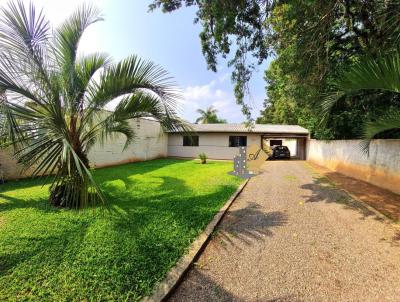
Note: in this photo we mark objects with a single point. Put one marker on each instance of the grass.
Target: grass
(157, 209)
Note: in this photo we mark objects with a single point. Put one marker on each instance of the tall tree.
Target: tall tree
(209, 116)
(311, 42)
(53, 110)
(315, 41)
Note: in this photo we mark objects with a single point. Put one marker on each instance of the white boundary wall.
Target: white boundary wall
(150, 143)
(381, 167)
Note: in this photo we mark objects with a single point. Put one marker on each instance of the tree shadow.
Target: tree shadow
(101, 175)
(30, 250)
(248, 224)
(383, 200)
(148, 228)
(323, 190)
(12, 203)
(201, 288)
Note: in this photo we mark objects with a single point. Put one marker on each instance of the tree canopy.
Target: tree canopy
(311, 43)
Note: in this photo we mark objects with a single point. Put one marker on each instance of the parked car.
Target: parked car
(280, 152)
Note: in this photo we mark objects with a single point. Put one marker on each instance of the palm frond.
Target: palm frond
(366, 74)
(67, 39)
(139, 105)
(24, 37)
(23, 31)
(131, 75)
(87, 66)
(384, 123)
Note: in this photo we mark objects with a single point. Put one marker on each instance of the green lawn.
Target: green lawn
(157, 208)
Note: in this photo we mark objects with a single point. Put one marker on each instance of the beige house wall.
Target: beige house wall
(150, 143)
(215, 145)
(381, 167)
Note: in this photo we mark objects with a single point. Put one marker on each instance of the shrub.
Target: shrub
(203, 158)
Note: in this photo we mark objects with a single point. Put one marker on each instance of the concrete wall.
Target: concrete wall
(381, 167)
(150, 143)
(215, 145)
(9, 168)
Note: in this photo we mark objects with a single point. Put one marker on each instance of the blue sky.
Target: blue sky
(170, 40)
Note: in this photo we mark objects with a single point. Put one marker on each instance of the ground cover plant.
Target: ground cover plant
(156, 209)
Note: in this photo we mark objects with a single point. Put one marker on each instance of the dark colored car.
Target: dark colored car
(280, 152)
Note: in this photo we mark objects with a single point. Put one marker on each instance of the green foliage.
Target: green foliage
(375, 75)
(157, 208)
(315, 42)
(209, 116)
(311, 42)
(203, 158)
(53, 100)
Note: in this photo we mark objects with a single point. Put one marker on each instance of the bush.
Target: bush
(203, 158)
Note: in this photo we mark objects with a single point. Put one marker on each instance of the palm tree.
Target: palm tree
(54, 113)
(381, 74)
(209, 116)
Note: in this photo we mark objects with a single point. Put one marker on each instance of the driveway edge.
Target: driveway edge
(173, 278)
(378, 213)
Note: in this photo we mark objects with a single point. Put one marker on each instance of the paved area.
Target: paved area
(293, 236)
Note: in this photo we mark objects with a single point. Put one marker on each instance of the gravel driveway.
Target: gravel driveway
(292, 236)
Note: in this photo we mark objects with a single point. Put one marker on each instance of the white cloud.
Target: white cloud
(196, 93)
(211, 94)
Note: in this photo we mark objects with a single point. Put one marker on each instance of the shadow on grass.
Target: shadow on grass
(151, 223)
(323, 190)
(101, 175)
(149, 226)
(33, 250)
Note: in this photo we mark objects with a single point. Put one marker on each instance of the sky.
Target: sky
(170, 40)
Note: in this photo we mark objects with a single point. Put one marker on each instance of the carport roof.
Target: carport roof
(241, 128)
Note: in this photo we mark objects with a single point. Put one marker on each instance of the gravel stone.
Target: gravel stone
(293, 236)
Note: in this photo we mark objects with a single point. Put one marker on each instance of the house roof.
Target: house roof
(257, 128)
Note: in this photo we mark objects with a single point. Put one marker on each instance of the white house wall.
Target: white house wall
(215, 145)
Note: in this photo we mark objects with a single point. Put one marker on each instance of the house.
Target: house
(218, 141)
(221, 141)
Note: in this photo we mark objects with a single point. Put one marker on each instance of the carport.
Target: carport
(279, 138)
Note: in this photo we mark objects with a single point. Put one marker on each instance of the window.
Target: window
(191, 141)
(237, 141)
